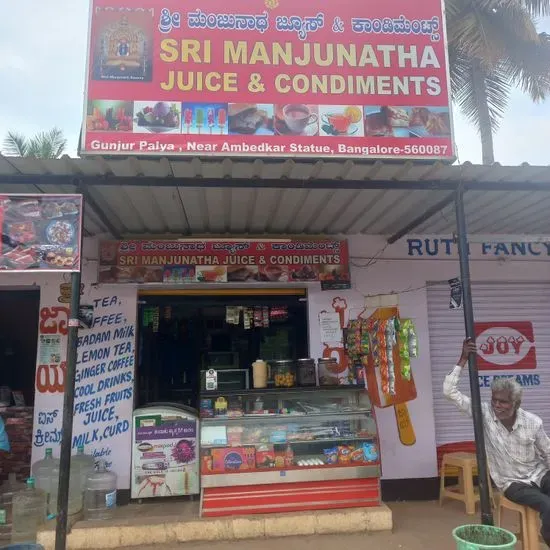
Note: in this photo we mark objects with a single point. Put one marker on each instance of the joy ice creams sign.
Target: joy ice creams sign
(508, 345)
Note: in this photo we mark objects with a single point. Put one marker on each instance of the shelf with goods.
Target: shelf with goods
(295, 449)
(287, 437)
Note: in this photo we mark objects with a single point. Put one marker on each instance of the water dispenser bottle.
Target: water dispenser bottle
(44, 472)
(7, 491)
(85, 464)
(29, 513)
(100, 496)
(76, 495)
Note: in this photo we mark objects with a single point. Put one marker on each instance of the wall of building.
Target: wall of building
(401, 269)
(404, 268)
(103, 393)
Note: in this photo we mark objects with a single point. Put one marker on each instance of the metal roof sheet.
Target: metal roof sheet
(204, 196)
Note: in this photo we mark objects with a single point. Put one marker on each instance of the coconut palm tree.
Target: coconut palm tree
(44, 145)
(494, 47)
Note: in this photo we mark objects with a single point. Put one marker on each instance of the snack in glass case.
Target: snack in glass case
(331, 455)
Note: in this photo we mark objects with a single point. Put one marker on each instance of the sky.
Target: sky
(42, 66)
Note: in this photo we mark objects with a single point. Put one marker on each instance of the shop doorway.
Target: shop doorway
(19, 311)
(181, 336)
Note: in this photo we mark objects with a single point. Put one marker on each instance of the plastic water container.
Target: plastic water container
(76, 494)
(483, 537)
(7, 491)
(85, 464)
(100, 496)
(44, 473)
(29, 513)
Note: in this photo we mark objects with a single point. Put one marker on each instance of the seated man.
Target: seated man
(518, 449)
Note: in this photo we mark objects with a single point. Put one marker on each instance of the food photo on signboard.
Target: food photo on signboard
(40, 232)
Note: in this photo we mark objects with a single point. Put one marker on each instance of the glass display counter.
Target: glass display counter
(282, 436)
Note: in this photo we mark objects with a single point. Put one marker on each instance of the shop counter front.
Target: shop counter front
(288, 449)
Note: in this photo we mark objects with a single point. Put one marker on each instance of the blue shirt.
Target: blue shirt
(4, 441)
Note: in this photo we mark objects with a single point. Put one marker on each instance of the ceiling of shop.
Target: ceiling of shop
(193, 197)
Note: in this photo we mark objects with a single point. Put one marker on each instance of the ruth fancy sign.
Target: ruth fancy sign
(268, 78)
(218, 261)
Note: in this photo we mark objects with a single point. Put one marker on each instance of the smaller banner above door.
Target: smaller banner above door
(224, 261)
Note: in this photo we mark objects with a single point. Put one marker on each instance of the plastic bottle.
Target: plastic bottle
(7, 491)
(100, 496)
(46, 475)
(85, 465)
(76, 494)
(29, 513)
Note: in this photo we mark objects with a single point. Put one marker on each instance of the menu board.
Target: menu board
(40, 232)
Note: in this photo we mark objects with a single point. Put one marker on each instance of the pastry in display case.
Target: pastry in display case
(287, 435)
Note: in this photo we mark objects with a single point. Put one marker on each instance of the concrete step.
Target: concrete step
(147, 532)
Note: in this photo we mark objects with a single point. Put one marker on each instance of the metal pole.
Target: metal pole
(485, 500)
(67, 426)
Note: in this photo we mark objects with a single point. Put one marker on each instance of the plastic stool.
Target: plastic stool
(466, 463)
(529, 522)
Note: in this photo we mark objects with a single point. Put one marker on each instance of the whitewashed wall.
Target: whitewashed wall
(399, 268)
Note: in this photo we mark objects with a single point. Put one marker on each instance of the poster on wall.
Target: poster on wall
(40, 232)
(219, 261)
(104, 378)
(273, 78)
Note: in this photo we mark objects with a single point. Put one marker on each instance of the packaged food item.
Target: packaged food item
(331, 455)
(253, 435)
(289, 456)
(235, 435)
(357, 455)
(207, 408)
(220, 406)
(235, 406)
(234, 458)
(278, 436)
(279, 459)
(344, 454)
(265, 456)
(370, 452)
(206, 463)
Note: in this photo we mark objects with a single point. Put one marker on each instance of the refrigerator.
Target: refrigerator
(165, 450)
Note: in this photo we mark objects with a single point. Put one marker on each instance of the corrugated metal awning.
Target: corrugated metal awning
(205, 196)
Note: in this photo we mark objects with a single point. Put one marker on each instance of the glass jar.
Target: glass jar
(327, 368)
(306, 372)
(283, 373)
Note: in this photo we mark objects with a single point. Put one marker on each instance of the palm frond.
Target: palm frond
(537, 8)
(482, 28)
(528, 66)
(44, 145)
(15, 145)
(468, 92)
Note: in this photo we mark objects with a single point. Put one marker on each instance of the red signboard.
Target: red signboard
(508, 345)
(263, 78)
(219, 261)
(40, 232)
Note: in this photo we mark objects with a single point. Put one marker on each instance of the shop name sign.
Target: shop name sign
(441, 247)
(221, 261)
(268, 78)
(508, 345)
